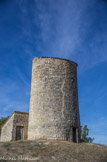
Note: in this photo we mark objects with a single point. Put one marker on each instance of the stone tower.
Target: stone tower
(54, 111)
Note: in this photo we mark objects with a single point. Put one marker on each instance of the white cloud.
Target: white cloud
(61, 28)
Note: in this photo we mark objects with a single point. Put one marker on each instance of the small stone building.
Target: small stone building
(16, 127)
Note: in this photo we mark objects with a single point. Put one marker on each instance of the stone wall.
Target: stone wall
(54, 108)
(8, 132)
(21, 119)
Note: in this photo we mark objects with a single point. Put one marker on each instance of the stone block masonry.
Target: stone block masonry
(54, 111)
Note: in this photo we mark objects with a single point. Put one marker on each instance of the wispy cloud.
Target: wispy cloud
(60, 26)
(22, 77)
(12, 97)
(69, 29)
(64, 27)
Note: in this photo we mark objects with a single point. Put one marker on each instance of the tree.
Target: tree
(84, 135)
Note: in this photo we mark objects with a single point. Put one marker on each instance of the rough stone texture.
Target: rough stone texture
(54, 108)
(8, 132)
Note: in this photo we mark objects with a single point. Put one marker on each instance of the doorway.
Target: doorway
(19, 133)
(74, 135)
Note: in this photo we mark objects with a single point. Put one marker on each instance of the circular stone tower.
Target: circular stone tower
(54, 111)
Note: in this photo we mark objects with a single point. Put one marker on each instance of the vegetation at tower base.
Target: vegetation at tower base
(85, 135)
(2, 121)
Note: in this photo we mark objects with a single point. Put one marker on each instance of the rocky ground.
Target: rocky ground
(52, 151)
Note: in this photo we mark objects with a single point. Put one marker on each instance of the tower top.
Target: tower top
(42, 57)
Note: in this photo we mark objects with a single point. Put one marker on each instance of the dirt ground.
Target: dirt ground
(52, 151)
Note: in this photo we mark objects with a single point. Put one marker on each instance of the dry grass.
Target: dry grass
(52, 151)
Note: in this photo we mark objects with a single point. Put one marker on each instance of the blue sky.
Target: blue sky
(75, 30)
